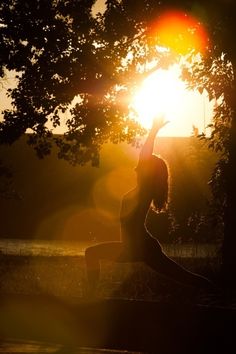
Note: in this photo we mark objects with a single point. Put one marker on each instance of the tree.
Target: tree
(216, 74)
(60, 51)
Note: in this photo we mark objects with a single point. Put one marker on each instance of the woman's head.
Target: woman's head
(153, 178)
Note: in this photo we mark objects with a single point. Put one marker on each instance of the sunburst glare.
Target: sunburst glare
(164, 93)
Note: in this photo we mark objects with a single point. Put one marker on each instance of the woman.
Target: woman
(137, 244)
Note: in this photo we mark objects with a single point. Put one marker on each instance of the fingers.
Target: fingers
(159, 122)
(166, 122)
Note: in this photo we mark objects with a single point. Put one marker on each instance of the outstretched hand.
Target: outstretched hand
(158, 123)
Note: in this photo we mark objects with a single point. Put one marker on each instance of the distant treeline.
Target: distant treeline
(58, 201)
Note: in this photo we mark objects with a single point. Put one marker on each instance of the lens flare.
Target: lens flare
(180, 32)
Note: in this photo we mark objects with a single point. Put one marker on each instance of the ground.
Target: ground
(39, 289)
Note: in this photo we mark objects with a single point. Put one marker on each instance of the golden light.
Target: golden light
(180, 32)
(163, 93)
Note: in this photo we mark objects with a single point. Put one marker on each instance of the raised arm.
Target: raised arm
(148, 146)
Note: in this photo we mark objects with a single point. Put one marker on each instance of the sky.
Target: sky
(99, 6)
(7, 82)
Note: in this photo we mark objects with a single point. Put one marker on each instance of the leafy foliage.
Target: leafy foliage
(216, 77)
(60, 51)
(63, 55)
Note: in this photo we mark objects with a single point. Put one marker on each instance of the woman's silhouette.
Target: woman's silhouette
(137, 244)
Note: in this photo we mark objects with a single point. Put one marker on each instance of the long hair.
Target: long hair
(154, 177)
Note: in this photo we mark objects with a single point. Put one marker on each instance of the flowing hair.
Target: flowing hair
(155, 177)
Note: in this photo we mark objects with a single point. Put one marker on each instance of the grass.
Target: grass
(65, 276)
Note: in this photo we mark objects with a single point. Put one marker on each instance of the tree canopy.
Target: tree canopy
(60, 52)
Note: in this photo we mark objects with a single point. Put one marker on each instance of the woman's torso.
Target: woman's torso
(133, 213)
(138, 242)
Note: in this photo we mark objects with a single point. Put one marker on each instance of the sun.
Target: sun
(163, 93)
(160, 94)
